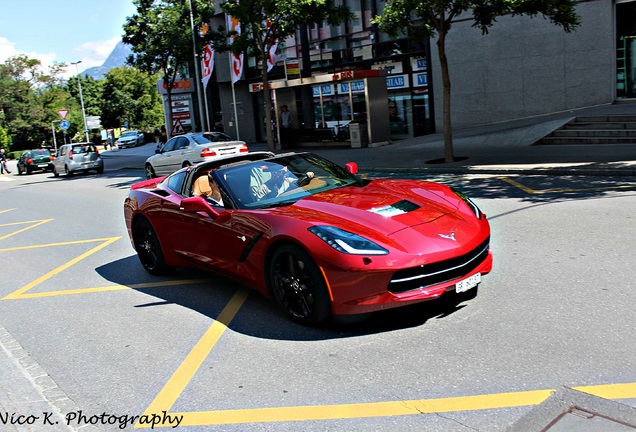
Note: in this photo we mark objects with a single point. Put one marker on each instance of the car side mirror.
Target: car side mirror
(198, 204)
(352, 167)
(157, 151)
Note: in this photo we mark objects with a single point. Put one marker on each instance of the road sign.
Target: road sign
(63, 113)
(177, 128)
(64, 125)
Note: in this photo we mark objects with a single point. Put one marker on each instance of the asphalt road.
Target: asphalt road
(114, 341)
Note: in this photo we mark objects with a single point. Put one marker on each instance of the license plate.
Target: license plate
(468, 283)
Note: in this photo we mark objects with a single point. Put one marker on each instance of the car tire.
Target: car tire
(150, 172)
(298, 286)
(20, 172)
(148, 247)
(100, 170)
(55, 173)
(67, 171)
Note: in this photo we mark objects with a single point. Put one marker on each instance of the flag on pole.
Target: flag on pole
(236, 59)
(271, 45)
(207, 64)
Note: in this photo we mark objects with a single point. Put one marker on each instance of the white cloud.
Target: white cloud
(7, 50)
(90, 53)
(95, 53)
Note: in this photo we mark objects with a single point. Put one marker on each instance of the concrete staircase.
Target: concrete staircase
(608, 129)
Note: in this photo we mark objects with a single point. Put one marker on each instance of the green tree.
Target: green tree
(264, 21)
(130, 94)
(435, 17)
(5, 139)
(160, 35)
(28, 99)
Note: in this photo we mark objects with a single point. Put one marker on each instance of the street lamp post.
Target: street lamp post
(79, 83)
(53, 129)
(196, 68)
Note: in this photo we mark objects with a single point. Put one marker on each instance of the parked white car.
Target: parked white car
(190, 149)
(131, 138)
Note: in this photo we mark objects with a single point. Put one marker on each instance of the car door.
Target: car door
(60, 158)
(168, 160)
(199, 238)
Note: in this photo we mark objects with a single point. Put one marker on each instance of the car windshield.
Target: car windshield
(129, 133)
(40, 153)
(282, 180)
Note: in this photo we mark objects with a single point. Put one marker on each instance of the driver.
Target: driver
(269, 181)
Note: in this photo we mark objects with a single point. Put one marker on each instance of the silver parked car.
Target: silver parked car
(71, 158)
(189, 149)
(131, 138)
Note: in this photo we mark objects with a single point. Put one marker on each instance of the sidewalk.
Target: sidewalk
(501, 148)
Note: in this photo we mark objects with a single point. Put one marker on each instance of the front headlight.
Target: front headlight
(346, 242)
(468, 201)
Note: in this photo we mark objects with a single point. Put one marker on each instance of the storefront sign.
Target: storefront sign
(418, 64)
(256, 87)
(420, 79)
(354, 74)
(327, 90)
(178, 86)
(397, 82)
(292, 69)
(390, 67)
(356, 87)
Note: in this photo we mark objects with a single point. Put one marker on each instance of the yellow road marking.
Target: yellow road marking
(6, 210)
(107, 288)
(54, 244)
(610, 391)
(186, 370)
(545, 191)
(27, 287)
(34, 223)
(364, 410)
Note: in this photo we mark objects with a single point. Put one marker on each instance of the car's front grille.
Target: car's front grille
(439, 272)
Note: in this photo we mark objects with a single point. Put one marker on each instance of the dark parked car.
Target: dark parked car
(35, 160)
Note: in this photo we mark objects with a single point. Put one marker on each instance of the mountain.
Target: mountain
(117, 58)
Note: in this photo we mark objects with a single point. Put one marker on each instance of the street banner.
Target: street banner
(271, 45)
(236, 64)
(207, 64)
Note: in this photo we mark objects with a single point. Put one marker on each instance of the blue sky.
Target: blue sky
(62, 31)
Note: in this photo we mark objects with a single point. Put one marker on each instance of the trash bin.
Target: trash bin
(358, 135)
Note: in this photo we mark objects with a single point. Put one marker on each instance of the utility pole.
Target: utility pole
(79, 83)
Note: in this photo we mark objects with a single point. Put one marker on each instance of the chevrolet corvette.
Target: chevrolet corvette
(310, 234)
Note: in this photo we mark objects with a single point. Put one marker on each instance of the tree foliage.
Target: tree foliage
(437, 17)
(29, 98)
(160, 35)
(264, 21)
(129, 94)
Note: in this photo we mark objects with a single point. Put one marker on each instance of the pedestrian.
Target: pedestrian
(157, 135)
(164, 134)
(3, 162)
(286, 127)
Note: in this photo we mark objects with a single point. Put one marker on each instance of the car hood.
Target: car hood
(385, 207)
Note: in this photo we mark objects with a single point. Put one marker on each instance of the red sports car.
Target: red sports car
(311, 234)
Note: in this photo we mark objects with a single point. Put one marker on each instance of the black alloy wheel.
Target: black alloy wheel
(148, 247)
(150, 172)
(298, 285)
